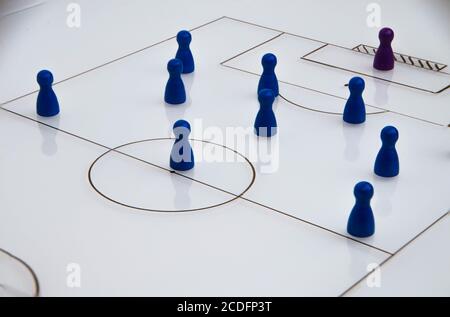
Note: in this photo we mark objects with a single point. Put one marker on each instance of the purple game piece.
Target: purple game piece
(384, 58)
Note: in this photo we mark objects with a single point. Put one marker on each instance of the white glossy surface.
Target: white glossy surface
(421, 269)
(288, 73)
(381, 94)
(402, 73)
(108, 240)
(308, 99)
(15, 278)
(318, 157)
(50, 217)
(106, 106)
(39, 38)
(320, 163)
(134, 182)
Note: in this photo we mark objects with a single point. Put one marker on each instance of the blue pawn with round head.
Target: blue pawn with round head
(184, 53)
(268, 78)
(182, 156)
(175, 92)
(47, 104)
(355, 109)
(266, 122)
(361, 222)
(387, 163)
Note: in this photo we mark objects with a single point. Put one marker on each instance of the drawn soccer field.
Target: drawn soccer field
(93, 185)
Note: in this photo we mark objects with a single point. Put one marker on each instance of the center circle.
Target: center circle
(137, 175)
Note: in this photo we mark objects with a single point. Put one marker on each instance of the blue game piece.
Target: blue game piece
(182, 156)
(175, 93)
(387, 163)
(355, 110)
(361, 222)
(268, 78)
(265, 122)
(47, 103)
(184, 53)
